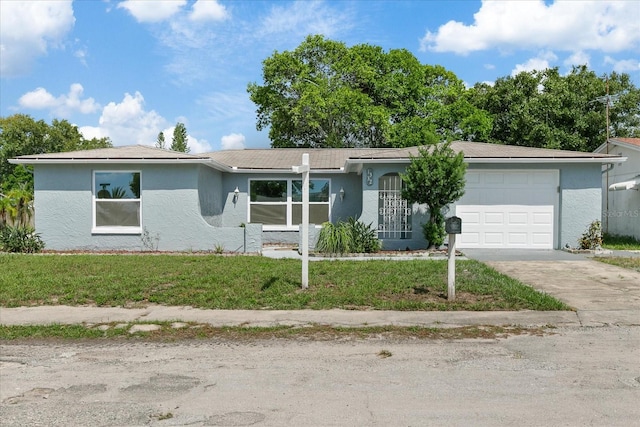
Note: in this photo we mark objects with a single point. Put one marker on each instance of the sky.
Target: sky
(130, 69)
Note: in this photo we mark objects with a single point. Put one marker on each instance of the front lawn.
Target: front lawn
(253, 282)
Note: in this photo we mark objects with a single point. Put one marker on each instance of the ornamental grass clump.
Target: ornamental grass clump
(349, 236)
(20, 239)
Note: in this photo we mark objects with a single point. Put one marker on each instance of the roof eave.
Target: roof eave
(616, 159)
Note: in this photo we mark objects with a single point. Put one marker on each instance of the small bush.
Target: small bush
(592, 238)
(20, 239)
(347, 237)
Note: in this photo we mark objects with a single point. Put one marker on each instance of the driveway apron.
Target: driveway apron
(601, 293)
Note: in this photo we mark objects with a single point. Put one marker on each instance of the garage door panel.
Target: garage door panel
(509, 209)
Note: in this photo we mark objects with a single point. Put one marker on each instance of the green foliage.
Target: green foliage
(436, 178)
(434, 230)
(334, 239)
(592, 238)
(614, 241)
(16, 206)
(20, 239)
(21, 135)
(160, 142)
(548, 110)
(179, 141)
(118, 193)
(364, 238)
(325, 94)
(349, 236)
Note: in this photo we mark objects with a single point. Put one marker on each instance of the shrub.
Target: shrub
(347, 237)
(592, 238)
(20, 239)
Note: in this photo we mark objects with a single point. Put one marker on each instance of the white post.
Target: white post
(304, 170)
(451, 268)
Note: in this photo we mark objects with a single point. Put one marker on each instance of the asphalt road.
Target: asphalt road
(577, 376)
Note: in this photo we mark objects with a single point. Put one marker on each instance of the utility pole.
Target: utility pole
(608, 101)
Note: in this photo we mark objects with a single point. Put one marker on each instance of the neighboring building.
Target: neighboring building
(621, 188)
(138, 197)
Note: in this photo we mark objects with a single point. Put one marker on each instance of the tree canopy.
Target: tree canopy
(547, 110)
(21, 135)
(325, 94)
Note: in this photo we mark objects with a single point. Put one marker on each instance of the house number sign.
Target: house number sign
(369, 175)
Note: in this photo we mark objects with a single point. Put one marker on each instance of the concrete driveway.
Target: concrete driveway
(601, 293)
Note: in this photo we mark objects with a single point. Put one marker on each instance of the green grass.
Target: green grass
(621, 243)
(194, 331)
(251, 282)
(624, 262)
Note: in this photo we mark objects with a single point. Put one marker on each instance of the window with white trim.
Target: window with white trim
(277, 204)
(116, 202)
(394, 212)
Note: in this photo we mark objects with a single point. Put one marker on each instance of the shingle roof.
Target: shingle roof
(335, 158)
(142, 152)
(632, 141)
(320, 159)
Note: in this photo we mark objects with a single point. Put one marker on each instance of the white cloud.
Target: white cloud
(208, 10)
(152, 10)
(63, 105)
(577, 58)
(234, 141)
(623, 65)
(197, 145)
(306, 17)
(28, 29)
(539, 63)
(610, 26)
(128, 123)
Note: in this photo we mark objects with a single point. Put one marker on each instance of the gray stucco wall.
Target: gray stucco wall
(175, 213)
(193, 207)
(580, 200)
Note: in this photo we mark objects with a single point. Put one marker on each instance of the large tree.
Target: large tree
(435, 178)
(20, 135)
(548, 110)
(325, 94)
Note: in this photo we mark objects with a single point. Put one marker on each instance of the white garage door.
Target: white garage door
(509, 209)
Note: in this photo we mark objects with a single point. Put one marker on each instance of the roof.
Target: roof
(632, 143)
(138, 152)
(320, 159)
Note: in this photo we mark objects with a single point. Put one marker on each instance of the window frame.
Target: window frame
(288, 203)
(114, 229)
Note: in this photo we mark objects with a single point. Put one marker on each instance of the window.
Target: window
(116, 202)
(278, 203)
(394, 213)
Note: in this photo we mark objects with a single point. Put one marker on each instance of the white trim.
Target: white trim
(289, 226)
(113, 229)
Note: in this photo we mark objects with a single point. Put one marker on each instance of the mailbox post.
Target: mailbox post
(452, 226)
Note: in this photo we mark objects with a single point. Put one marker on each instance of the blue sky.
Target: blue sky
(131, 69)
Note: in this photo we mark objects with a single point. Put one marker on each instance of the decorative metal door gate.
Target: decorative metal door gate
(394, 213)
